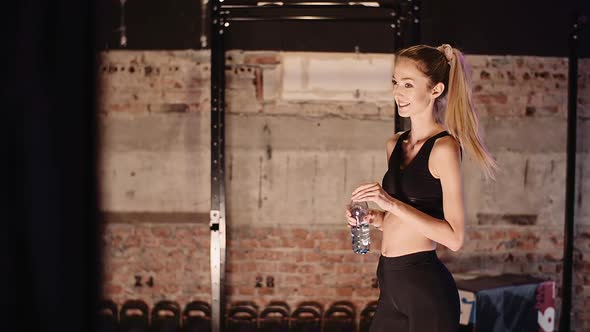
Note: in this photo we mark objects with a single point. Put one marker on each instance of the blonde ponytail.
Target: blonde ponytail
(460, 117)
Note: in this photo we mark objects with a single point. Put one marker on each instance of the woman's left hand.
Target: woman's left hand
(373, 192)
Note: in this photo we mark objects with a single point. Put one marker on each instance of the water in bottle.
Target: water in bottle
(361, 236)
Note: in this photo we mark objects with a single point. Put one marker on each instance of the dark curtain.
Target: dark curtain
(49, 235)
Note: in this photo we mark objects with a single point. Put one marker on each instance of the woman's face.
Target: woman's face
(411, 89)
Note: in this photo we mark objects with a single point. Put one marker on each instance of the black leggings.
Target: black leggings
(416, 294)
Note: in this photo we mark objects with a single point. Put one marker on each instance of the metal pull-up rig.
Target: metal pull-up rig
(402, 16)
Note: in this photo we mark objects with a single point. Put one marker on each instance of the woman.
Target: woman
(421, 193)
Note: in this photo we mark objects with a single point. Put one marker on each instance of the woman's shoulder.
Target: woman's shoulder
(445, 148)
(392, 141)
(446, 142)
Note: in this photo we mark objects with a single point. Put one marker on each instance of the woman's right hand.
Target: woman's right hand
(374, 217)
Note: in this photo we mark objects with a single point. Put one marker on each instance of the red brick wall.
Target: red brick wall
(312, 263)
(305, 263)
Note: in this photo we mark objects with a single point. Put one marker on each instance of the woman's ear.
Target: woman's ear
(438, 89)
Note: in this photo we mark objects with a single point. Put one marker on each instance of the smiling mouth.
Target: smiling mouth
(403, 105)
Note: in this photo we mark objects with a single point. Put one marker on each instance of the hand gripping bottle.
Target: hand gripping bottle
(361, 236)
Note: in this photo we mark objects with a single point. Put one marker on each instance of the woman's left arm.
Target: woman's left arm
(446, 160)
(449, 232)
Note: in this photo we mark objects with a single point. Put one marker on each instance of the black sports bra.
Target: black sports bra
(414, 184)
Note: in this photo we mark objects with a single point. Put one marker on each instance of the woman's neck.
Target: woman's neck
(422, 133)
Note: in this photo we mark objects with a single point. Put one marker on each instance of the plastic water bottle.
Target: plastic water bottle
(361, 236)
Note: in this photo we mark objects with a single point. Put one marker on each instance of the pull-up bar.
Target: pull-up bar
(401, 15)
(368, 11)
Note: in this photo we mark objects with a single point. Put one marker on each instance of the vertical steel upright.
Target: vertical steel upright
(205, 24)
(217, 213)
(407, 33)
(570, 185)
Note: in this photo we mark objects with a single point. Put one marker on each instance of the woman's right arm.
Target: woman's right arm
(377, 217)
(389, 146)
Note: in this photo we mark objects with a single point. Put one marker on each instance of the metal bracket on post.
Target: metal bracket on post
(215, 260)
(214, 217)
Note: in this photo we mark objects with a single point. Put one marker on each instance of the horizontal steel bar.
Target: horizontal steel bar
(309, 18)
(322, 5)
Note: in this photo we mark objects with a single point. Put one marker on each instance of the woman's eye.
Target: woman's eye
(394, 82)
(408, 85)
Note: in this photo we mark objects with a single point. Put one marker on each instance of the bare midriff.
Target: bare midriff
(399, 238)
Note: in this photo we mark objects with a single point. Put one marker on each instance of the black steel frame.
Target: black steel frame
(222, 15)
(404, 17)
(579, 23)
